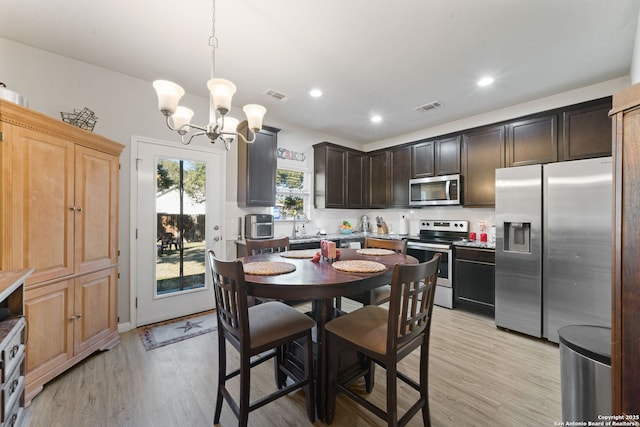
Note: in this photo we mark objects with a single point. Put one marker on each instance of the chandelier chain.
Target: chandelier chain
(213, 41)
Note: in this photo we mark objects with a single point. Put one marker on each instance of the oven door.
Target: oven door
(424, 252)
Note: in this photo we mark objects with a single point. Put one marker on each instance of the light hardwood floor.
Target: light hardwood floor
(479, 376)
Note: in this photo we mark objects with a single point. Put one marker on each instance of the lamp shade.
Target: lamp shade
(255, 113)
(169, 95)
(221, 91)
(182, 117)
(230, 124)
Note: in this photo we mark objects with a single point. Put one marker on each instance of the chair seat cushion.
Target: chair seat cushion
(365, 327)
(274, 320)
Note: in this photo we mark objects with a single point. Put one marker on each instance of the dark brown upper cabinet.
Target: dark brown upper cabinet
(330, 175)
(422, 159)
(435, 157)
(532, 141)
(447, 155)
(356, 180)
(400, 159)
(482, 153)
(586, 131)
(378, 191)
(257, 164)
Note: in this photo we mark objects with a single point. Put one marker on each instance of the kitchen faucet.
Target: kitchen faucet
(294, 233)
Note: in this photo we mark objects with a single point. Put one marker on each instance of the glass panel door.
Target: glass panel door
(180, 227)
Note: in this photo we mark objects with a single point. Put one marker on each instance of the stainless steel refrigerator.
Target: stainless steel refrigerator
(553, 246)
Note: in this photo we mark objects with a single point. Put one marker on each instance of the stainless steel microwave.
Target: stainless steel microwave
(435, 191)
(258, 226)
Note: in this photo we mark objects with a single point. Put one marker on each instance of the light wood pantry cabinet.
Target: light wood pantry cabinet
(59, 216)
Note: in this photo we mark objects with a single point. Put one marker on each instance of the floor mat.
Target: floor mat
(176, 330)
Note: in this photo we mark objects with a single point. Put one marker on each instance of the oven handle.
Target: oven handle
(428, 247)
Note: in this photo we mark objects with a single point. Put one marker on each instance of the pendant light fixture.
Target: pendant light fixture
(220, 126)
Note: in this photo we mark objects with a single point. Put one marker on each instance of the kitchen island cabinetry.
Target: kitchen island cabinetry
(257, 163)
(12, 349)
(482, 153)
(532, 141)
(59, 216)
(474, 279)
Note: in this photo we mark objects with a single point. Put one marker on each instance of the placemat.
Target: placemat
(359, 266)
(302, 253)
(268, 268)
(375, 251)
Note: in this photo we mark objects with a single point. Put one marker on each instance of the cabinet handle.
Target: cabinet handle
(79, 209)
(72, 318)
(14, 351)
(78, 316)
(13, 386)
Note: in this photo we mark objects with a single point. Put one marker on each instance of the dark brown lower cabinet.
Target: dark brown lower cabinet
(474, 279)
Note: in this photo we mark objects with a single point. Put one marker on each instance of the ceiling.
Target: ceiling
(367, 56)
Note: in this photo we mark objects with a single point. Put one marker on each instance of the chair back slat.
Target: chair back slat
(411, 303)
(256, 247)
(231, 296)
(399, 246)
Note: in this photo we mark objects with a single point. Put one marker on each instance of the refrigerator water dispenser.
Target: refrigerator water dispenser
(517, 237)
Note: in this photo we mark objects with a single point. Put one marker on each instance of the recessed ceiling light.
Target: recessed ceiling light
(485, 81)
(316, 93)
(376, 118)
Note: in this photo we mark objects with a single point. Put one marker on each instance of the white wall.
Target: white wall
(126, 107)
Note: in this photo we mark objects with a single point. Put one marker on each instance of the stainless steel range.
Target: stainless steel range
(437, 236)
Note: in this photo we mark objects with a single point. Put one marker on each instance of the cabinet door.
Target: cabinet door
(422, 159)
(400, 175)
(586, 132)
(378, 192)
(475, 285)
(257, 169)
(336, 187)
(447, 156)
(532, 141)
(96, 209)
(482, 154)
(37, 207)
(355, 180)
(95, 305)
(50, 332)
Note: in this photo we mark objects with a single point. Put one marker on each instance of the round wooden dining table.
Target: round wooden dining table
(321, 283)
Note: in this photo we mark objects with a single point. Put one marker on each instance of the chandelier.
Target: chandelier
(220, 126)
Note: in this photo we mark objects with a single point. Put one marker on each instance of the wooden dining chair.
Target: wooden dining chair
(381, 294)
(260, 246)
(257, 333)
(386, 337)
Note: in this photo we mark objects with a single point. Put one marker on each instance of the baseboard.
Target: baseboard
(124, 327)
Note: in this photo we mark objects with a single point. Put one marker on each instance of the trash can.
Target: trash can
(585, 372)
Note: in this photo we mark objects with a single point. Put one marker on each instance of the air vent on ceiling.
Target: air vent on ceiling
(277, 95)
(429, 106)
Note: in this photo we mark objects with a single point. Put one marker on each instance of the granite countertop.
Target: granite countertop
(475, 244)
(340, 236)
